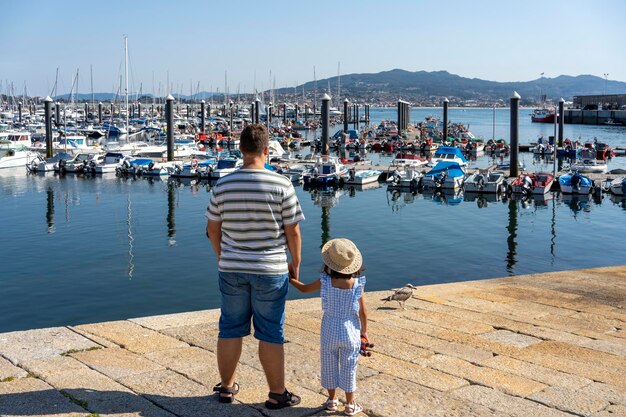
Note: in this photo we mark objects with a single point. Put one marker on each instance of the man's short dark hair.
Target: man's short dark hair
(254, 139)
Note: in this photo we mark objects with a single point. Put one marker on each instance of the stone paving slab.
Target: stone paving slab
(500, 380)
(33, 397)
(538, 345)
(9, 371)
(132, 336)
(570, 401)
(505, 404)
(116, 363)
(41, 343)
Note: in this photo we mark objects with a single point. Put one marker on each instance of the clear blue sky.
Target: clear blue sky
(197, 41)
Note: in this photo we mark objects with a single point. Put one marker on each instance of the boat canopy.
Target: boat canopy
(141, 162)
(453, 169)
(450, 150)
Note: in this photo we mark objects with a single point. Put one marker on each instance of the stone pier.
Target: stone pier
(550, 344)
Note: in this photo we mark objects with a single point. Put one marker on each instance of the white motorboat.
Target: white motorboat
(14, 149)
(105, 164)
(446, 174)
(327, 170)
(484, 182)
(405, 176)
(41, 165)
(76, 165)
(590, 165)
(362, 177)
(226, 165)
(618, 186)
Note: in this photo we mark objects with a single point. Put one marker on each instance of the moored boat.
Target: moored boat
(446, 174)
(575, 183)
(490, 182)
(618, 186)
(361, 177)
(327, 170)
(532, 183)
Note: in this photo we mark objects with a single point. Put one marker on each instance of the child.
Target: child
(344, 322)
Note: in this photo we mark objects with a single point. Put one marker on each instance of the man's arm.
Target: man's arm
(214, 232)
(294, 243)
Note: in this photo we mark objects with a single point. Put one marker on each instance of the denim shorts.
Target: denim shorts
(257, 297)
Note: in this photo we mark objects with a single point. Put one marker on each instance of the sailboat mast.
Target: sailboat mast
(93, 100)
(339, 80)
(126, 76)
(314, 91)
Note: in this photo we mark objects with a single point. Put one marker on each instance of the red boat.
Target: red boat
(539, 183)
(542, 116)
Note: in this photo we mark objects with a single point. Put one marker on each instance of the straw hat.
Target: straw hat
(341, 255)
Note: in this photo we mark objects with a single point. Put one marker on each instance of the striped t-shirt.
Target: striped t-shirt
(253, 206)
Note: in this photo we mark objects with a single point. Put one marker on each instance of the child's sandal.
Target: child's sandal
(331, 405)
(353, 409)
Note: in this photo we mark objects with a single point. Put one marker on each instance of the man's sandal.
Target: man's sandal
(353, 409)
(331, 405)
(234, 390)
(286, 399)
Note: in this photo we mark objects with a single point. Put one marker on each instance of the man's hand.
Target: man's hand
(294, 270)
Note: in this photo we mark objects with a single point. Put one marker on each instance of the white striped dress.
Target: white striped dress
(253, 206)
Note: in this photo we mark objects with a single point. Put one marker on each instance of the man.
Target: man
(253, 217)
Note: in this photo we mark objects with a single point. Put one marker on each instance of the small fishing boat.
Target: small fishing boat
(448, 154)
(575, 183)
(327, 170)
(490, 182)
(531, 183)
(76, 165)
(40, 164)
(105, 164)
(618, 186)
(194, 168)
(543, 115)
(14, 149)
(590, 165)
(446, 174)
(404, 177)
(226, 165)
(361, 177)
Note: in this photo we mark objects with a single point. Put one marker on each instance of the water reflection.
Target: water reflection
(326, 198)
(171, 214)
(619, 200)
(511, 239)
(50, 210)
(131, 256)
(482, 200)
(576, 203)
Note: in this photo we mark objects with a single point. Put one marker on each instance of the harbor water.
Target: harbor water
(83, 249)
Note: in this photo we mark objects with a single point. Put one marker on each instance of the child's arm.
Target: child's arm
(363, 315)
(310, 287)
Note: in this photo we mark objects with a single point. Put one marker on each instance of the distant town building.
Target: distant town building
(605, 101)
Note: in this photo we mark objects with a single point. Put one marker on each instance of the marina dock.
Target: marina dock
(551, 344)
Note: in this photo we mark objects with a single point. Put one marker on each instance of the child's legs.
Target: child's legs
(329, 359)
(332, 393)
(348, 361)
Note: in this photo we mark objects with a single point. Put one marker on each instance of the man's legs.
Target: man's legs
(228, 353)
(272, 357)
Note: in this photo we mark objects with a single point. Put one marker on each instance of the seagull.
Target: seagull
(401, 295)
